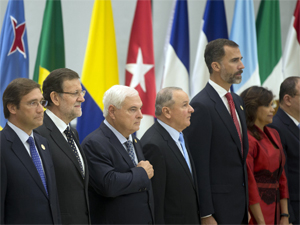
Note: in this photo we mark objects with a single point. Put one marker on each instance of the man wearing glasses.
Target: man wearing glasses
(63, 91)
(28, 186)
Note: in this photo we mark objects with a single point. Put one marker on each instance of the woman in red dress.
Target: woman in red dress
(267, 183)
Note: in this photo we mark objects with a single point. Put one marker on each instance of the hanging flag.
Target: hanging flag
(243, 32)
(269, 45)
(140, 63)
(51, 50)
(291, 55)
(100, 68)
(214, 26)
(177, 61)
(14, 54)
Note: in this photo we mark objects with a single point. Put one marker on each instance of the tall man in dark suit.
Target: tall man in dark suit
(63, 91)
(218, 139)
(120, 188)
(286, 122)
(28, 187)
(175, 182)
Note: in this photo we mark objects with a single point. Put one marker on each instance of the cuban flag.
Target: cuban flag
(14, 54)
(243, 32)
(214, 26)
(177, 60)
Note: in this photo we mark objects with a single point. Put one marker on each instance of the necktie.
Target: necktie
(299, 125)
(186, 156)
(73, 147)
(234, 117)
(37, 161)
(130, 150)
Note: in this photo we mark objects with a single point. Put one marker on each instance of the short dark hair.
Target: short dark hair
(288, 87)
(253, 98)
(164, 98)
(15, 91)
(54, 82)
(214, 51)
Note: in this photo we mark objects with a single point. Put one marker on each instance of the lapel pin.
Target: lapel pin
(241, 107)
(43, 147)
(135, 140)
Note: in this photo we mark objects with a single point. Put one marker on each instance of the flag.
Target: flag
(140, 62)
(291, 55)
(14, 54)
(51, 50)
(243, 32)
(214, 26)
(177, 61)
(269, 45)
(100, 68)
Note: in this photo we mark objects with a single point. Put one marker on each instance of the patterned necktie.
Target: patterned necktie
(74, 149)
(130, 150)
(186, 156)
(234, 117)
(37, 161)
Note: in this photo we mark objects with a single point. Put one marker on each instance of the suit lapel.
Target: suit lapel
(116, 143)
(138, 149)
(224, 115)
(176, 151)
(290, 123)
(22, 154)
(60, 141)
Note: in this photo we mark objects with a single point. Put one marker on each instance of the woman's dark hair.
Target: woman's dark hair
(253, 98)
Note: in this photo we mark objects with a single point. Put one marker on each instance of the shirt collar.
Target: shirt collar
(173, 133)
(120, 137)
(21, 134)
(61, 125)
(220, 90)
(292, 118)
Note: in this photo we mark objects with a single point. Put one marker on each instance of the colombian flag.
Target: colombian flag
(100, 69)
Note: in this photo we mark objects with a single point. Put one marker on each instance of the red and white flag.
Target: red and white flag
(140, 62)
(291, 55)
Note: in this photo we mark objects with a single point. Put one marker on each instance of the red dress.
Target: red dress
(267, 181)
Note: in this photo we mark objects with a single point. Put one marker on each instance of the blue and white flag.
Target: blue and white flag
(243, 32)
(177, 61)
(214, 26)
(14, 54)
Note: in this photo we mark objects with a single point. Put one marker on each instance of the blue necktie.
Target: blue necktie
(186, 156)
(37, 161)
(130, 150)
(299, 125)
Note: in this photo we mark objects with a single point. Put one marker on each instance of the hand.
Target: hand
(208, 221)
(284, 220)
(147, 167)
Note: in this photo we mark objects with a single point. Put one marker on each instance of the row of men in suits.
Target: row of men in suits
(160, 179)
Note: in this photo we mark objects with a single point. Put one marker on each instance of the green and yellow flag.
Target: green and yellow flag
(51, 50)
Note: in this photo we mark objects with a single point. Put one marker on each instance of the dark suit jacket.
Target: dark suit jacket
(23, 196)
(119, 192)
(174, 187)
(216, 150)
(290, 139)
(72, 188)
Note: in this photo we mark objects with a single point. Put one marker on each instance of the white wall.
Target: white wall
(77, 15)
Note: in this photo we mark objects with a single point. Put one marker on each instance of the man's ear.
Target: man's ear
(287, 99)
(54, 98)
(111, 111)
(166, 111)
(12, 108)
(216, 66)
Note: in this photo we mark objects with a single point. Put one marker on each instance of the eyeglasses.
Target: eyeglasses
(35, 104)
(75, 94)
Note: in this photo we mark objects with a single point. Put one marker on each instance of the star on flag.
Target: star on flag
(138, 70)
(18, 42)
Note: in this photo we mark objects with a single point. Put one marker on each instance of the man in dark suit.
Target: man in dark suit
(63, 91)
(218, 139)
(28, 187)
(120, 188)
(286, 122)
(175, 182)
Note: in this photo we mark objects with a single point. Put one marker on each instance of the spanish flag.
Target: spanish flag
(100, 69)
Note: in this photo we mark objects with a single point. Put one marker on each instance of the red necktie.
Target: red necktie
(233, 115)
